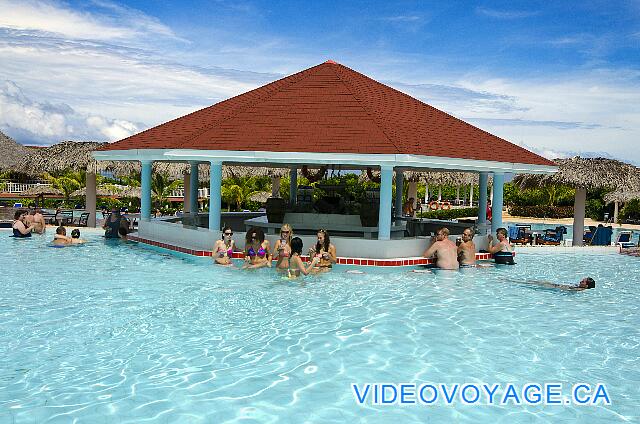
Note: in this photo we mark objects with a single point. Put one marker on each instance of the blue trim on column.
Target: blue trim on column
(145, 188)
(496, 205)
(215, 201)
(293, 186)
(399, 190)
(193, 188)
(482, 198)
(386, 194)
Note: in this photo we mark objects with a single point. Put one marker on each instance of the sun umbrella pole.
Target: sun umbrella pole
(90, 198)
(578, 216)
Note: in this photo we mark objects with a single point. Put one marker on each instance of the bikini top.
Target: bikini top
(261, 252)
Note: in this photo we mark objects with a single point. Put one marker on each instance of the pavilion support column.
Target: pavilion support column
(498, 189)
(215, 195)
(426, 193)
(578, 216)
(293, 185)
(145, 199)
(440, 193)
(399, 190)
(386, 195)
(90, 199)
(458, 194)
(471, 195)
(412, 193)
(615, 212)
(193, 188)
(186, 192)
(482, 198)
(275, 186)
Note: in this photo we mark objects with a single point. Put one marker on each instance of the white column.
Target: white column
(275, 186)
(90, 198)
(193, 188)
(458, 194)
(186, 192)
(386, 194)
(426, 193)
(615, 212)
(471, 194)
(578, 216)
(440, 193)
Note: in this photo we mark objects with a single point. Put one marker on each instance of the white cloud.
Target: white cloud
(55, 18)
(38, 122)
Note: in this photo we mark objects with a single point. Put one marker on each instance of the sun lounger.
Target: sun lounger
(624, 239)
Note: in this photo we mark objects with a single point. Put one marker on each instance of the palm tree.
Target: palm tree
(68, 182)
(162, 186)
(240, 190)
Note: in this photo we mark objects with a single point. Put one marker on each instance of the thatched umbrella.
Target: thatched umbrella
(39, 192)
(12, 152)
(110, 191)
(584, 174)
(620, 196)
(260, 196)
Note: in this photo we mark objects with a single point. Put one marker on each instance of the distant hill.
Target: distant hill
(10, 151)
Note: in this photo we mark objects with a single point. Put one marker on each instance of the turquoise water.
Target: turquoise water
(116, 333)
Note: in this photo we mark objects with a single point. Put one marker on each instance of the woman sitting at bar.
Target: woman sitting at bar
(223, 248)
(282, 248)
(324, 251)
(257, 252)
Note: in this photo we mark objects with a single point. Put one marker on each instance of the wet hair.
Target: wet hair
(75, 233)
(591, 283)
(224, 230)
(257, 231)
(327, 241)
(502, 231)
(444, 230)
(122, 231)
(296, 245)
(18, 213)
(61, 230)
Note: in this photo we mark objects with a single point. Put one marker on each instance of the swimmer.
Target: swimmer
(75, 237)
(443, 249)
(584, 284)
(296, 266)
(222, 251)
(325, 251)
(257, 250)
(61, 238)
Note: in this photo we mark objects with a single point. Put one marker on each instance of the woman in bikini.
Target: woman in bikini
(282, 248)
(257, 252)
(296, 266)
(222, 251)
(324, 251)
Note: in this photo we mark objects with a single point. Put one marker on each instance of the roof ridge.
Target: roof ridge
(372, 115)
(295, 78)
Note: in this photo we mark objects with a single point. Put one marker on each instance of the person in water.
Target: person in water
(443, 250)
(467, 249)
(282, 248)
(503, 250)
(324, 250)
(75, 237)
(116, 226)
(60, 238)
(296, 266)
(222, 252)
(40, 226)
(20, 228)
(584, 284)
(257, 251)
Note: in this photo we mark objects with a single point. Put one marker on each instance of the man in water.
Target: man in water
(38, 220)
(444, 250)
(584, 284)
(467, 249)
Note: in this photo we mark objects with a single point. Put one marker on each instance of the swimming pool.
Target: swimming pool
(115, 332)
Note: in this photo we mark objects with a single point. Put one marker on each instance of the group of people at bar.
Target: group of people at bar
(287, 252)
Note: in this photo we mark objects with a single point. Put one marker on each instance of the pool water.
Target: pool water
(112, 332)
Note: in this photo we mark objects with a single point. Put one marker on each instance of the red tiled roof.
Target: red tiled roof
(329, 108)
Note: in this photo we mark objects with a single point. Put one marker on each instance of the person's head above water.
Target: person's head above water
(75, 233)
(61, 231)
(501, 231)
(587, 283)
(296, 245)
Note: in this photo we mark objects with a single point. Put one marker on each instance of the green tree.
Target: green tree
(161, 187)
(68, 182)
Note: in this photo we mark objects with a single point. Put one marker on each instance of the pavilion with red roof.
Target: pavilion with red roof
(328, 114)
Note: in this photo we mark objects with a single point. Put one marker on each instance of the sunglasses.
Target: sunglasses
(284, 232)
(228, 234)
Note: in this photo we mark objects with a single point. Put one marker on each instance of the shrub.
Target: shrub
(450, 213)
(542, 211)
(631, 210)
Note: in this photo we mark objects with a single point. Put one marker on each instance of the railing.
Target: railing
(203, 193)
(17, 188)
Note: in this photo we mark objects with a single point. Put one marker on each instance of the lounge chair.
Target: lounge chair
(520, 234)
(66, 218)
(624, 239)
(552, 237)
(83, 219)
(602, 236)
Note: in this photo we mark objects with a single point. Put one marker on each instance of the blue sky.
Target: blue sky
(560, 78)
